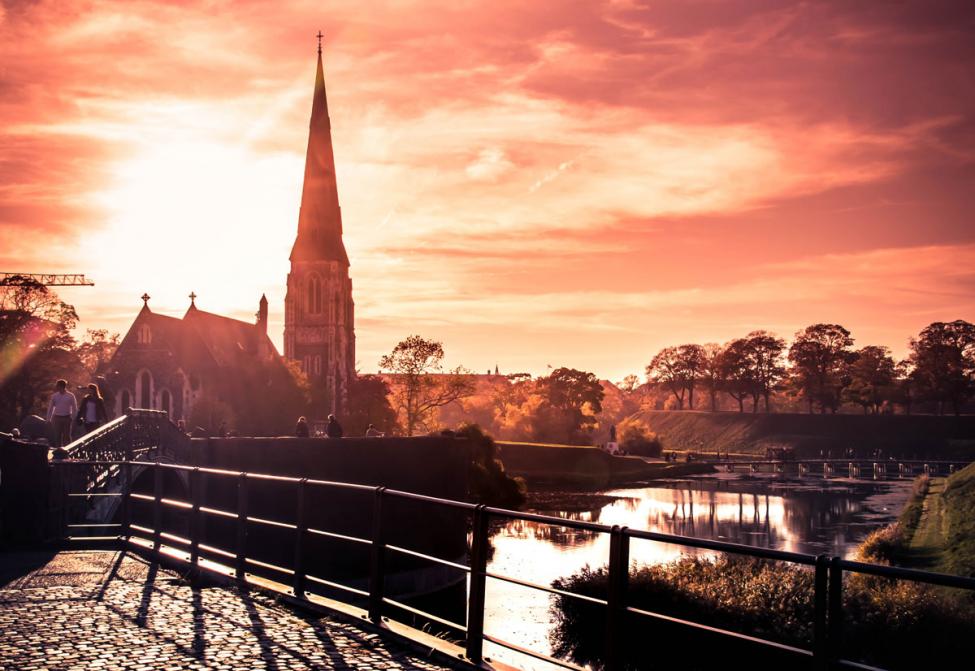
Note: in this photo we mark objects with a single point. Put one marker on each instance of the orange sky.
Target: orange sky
(534, 183)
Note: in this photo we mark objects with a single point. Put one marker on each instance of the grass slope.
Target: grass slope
(583, 467)
(747, 433)
(959, 523)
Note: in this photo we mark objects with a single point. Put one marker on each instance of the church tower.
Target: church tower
(319, 331)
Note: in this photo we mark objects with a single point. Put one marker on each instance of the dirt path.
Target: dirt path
(928, 541)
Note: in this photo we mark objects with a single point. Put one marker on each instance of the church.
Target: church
(205, 365)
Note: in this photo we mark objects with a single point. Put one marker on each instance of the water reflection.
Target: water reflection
(800, 515)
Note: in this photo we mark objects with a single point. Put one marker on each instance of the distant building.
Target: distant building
(200, 366)
(319, 331)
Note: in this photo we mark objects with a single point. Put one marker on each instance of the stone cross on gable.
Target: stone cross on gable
(145, 299)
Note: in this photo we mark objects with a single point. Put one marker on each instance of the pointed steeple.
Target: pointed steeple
(320, 217)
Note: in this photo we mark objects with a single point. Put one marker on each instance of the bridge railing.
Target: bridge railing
(824, 652)
(137, 434)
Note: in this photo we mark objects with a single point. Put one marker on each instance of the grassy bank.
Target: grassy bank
(570, 466)
(750, 434)
(942, 537)
(890, 624)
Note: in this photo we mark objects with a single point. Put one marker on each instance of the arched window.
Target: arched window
(306, 364)
(164, 401)
(318, 364)
(314, 294)
(125, 401)
(145, 389)
(144, 335)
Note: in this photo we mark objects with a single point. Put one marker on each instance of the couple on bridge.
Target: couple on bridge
(63, 411)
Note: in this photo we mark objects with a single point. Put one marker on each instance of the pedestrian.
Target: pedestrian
(373, 432)
(333, 429)
(91, 413)
(301, 428)
(61, 412)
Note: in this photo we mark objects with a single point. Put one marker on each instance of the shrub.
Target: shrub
(636, 438)
(487, 480)
(890, 623)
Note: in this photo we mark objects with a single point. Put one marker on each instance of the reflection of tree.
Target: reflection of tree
(549, 533)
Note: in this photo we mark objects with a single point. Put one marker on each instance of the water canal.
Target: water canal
(810, 514)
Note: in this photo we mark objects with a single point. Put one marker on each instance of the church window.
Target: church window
(314, 295)
(145, 389)
(165, 401)
(306, 364)
(144, 335)
(318, 364)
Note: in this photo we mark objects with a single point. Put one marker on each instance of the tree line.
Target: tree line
(821, 369)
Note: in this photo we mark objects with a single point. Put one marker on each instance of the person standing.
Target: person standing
(301, 428)
(333, 429)
(92, 413)
(373, 432)
(61, 412)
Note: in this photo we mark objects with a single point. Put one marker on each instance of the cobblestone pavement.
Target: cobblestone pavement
(109, 611)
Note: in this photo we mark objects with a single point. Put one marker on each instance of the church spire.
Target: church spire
(320, 217)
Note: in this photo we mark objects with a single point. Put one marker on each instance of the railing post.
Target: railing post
(196, 495)
(126, 499)
(241, 526)
(619, 569)
(157, 512)
(820, 649)
(299, 563)
(475, 601)
(377, 572)
(834, 631)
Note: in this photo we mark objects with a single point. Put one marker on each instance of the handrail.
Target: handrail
(827, 588)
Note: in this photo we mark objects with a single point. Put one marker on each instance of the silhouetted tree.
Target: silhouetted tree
(419, 387)
(369, 404)
(676, 369)
(97, 349)
(36, 346)
(735, 369)
(764, 355)
(819, 357)
(872, 373)
(943, 356)
(710, 375)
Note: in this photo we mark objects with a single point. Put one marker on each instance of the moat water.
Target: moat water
(810, 515)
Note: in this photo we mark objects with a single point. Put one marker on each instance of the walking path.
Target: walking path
(927, 542)
(110, 611)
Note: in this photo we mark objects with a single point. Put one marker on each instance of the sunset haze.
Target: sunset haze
(534, 184)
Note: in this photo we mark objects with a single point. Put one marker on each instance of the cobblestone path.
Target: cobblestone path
(108, 611)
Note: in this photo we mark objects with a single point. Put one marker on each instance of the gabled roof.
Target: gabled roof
(227, 339)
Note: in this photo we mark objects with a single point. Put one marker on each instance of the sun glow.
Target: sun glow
(198, 215)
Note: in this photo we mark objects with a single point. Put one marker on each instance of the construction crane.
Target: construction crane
(47, 279)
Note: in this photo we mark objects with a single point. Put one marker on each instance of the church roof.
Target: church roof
(226, 339)
(320, 217)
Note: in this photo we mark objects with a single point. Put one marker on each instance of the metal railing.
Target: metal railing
(828, 588)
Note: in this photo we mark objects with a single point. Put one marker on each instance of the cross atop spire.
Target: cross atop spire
(145, 299)
(319, 36)
(192, 299)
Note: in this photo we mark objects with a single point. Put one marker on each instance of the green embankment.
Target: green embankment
(942, 537)
(584, 467)
(924, 436)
